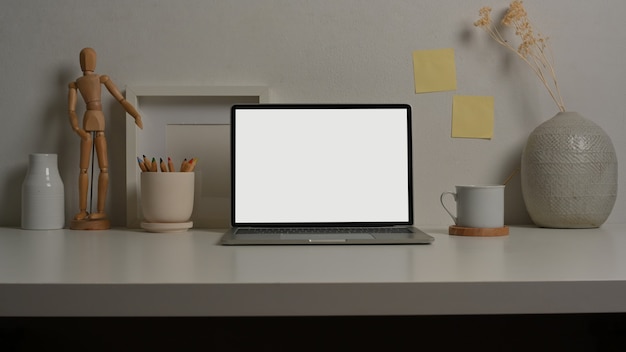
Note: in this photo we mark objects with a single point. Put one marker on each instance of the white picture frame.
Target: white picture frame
(174, 105)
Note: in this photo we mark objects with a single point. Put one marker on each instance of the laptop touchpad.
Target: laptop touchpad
(326, 236)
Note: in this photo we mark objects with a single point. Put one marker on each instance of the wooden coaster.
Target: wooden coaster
(166, 227)
(478, 232)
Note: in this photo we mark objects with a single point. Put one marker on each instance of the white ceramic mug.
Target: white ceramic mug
(167, 197)
(477, 206)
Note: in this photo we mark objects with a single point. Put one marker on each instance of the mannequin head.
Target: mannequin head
(88, 59)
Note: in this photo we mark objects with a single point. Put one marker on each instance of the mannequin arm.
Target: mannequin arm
(118, 96)
(72, 112)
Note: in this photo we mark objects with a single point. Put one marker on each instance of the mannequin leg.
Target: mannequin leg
(103, 177)
(83, 178)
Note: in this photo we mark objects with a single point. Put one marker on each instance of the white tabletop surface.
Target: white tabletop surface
(123, 272)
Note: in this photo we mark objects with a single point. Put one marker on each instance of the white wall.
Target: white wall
(306, 51)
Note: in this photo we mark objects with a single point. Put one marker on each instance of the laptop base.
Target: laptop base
(414, 236)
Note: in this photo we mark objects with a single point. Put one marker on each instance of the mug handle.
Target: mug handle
(444, 206)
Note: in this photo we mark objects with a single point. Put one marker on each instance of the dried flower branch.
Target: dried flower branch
(533, 49)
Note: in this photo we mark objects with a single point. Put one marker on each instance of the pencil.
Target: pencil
(153, 165)
(147, 163)
(170, 164)
(162, 163)
(183, 165)
(192, 164)
(142, 165)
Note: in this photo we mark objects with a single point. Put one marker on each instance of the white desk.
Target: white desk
(134, 273)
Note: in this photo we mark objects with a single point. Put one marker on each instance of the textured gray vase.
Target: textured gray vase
(569, 173)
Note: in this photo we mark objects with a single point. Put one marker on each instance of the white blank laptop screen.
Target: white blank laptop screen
(321, 165)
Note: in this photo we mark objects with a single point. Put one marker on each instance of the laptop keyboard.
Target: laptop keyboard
(323, 230)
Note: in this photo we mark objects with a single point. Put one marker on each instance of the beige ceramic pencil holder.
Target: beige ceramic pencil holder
(167, 201)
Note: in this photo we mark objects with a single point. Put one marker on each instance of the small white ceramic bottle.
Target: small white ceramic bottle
(43, 201)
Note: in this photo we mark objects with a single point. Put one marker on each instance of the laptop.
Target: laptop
(321, 174)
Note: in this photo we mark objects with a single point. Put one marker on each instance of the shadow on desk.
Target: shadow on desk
(577, 332)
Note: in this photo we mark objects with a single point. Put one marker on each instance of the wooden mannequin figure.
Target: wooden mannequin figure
(89, 86)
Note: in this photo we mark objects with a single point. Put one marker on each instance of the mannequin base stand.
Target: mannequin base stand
(87, 224)
(478, 232)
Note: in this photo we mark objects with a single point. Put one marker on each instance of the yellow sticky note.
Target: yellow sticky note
(434, 70)
(472, 117)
